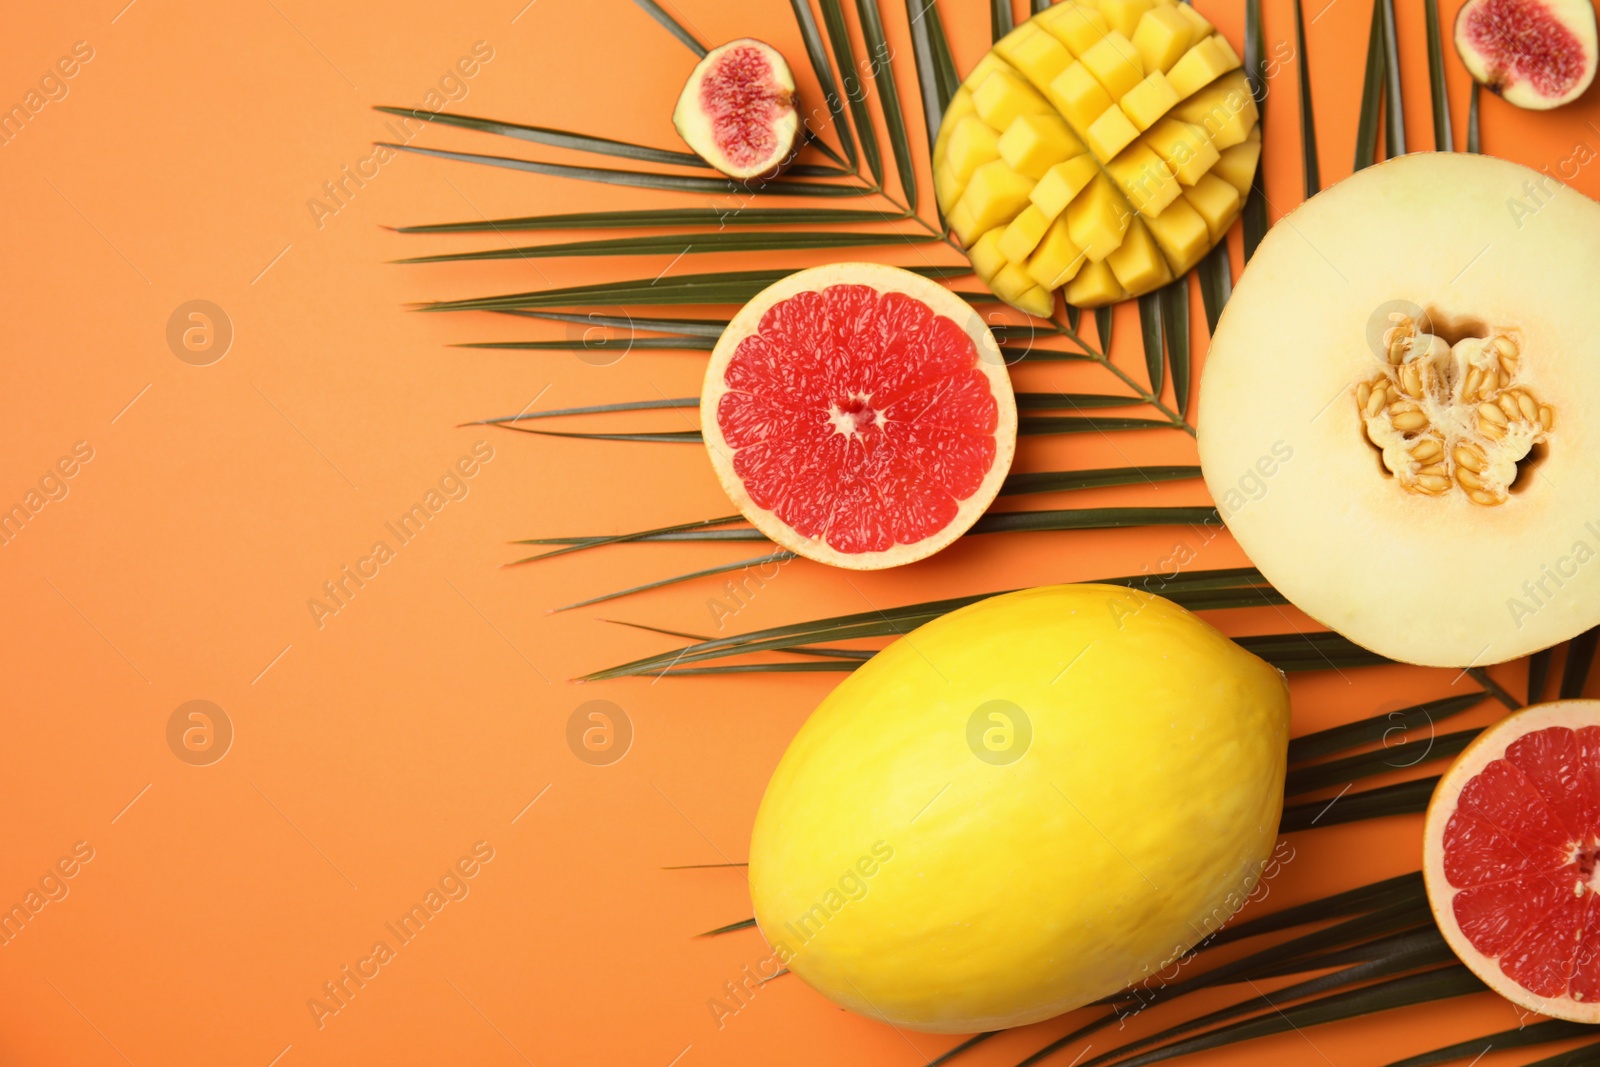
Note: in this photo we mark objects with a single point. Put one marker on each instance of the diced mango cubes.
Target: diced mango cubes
(1184, 148)
(1032, 144)
(1039, 56)
(1197, 22)
(1078, 97)
(1061, 183)
(1144, 179)
(1093, 286)
(1162, 36)
(1201, 65)
(1097, 219)
(995, 195)
(972, 144)
(987, 259)
(1182, 235)
(1225, 108)
(1237, 166)
(1110, 133)
(1124, 15)
(1149, 100)
(1216, 201)
(1021, 236)
(1102, 147)
(1014, 286)
(1002, 97)
(1058, 257)
(1137, 263)
(1076, 27)
(1115, 64)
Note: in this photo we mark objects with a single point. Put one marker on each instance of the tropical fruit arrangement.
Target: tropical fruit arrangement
(1041, 800)
(1102, 148)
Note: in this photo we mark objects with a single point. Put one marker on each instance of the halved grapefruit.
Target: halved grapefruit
(859, 415)
(1509, 855)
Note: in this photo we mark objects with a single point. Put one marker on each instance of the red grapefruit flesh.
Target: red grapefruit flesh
(737, 109)
(859, 415)
(1510, 855)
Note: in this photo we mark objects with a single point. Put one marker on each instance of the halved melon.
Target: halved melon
(1142, 95)
(1397, 414)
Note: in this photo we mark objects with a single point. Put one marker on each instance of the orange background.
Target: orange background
(374, 751)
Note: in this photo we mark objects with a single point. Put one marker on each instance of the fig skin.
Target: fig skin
(756, 132)
(1567, 25)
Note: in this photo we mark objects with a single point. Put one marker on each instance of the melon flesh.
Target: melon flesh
(1140, 92)
(1453, 519)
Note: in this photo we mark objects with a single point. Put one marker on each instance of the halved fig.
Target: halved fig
(1537, 54)
(737, 109)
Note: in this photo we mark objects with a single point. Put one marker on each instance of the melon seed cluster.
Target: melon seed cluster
(1104, 146)
(1448, 419)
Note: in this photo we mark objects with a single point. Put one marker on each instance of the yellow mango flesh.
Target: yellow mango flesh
(1106, 113)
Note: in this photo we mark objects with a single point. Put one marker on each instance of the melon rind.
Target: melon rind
(1485, 749)
(1437, 581)
(885, 280)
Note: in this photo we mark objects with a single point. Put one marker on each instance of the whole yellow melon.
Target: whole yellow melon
(1021, 807)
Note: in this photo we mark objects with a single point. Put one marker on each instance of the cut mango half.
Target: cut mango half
(1111, 142)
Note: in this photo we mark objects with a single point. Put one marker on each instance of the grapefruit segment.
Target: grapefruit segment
(859, 415)
(1510, 854)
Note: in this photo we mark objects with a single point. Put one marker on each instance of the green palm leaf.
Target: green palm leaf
(1000, 22)
(1523, 1037)
(824, 72)
(1216, 283)
(1394, 110)
(930, 80)
(687, 244)
(711, 328)
(640, 179)
(1348, 770)
(1037, 425)
(844, 53)
(1375, 729)
(675, 344)
(662, 217)
(1058, 481)
(1308, 121)
(736, 565)
(555, 138)
(944, 62)
(881, 71)
(1406, 798)
(1539, 674)
(1580, 655)
(613, 539)
(655, 11)
(1372, 89)
(1439, 93)
(1150, 334)
(727, 287)
(1474, 143)
(1255, 205)
(1441, 984)
(1175, 328)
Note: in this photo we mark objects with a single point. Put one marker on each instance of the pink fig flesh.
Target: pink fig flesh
(737, 110)
(1537, 54)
